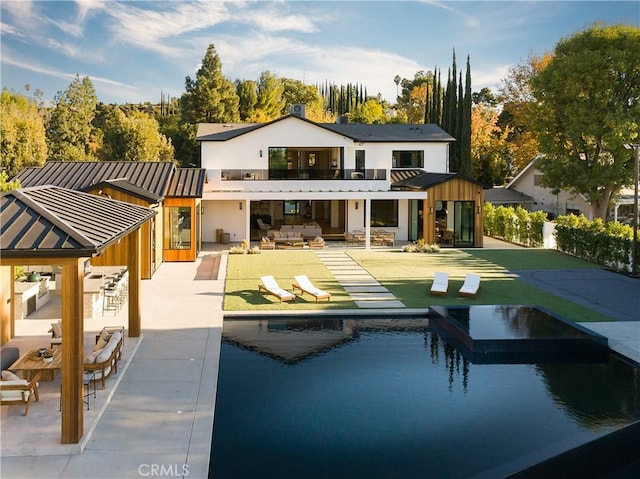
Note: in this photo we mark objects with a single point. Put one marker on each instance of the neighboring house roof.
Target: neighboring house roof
(503, 195)
(187, 183)
(49, 221)
(356, 131)
(522, 172)
(414, 179)
(152, 177)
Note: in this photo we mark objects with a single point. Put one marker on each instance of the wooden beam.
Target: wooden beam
(72, 294)
(133, 266)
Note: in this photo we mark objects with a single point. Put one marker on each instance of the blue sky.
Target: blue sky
(134, 50)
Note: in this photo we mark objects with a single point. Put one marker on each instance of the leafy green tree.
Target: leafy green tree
(248, 97)
(484, 96)
(271, 101)
(134, 138)
(296, 92)
(588, 106)
(517, 113)
(22, 133)
(369, 112)
(6, 184)
(69, 135)
(183, 138)
(488, 146)
(210, 97)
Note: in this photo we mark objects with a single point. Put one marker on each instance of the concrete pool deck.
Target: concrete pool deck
(160, 417)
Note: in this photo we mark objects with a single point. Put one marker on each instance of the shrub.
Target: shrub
(420, 247)
(514, 225)
(608, 244)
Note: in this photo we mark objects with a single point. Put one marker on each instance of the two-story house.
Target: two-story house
(338, 178)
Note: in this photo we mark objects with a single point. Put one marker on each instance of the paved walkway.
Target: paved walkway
(362, 288)
(160, 418)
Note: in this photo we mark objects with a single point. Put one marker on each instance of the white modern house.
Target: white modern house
(335, 179)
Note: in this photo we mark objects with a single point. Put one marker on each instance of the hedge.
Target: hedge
(608, 244)
(517, 226)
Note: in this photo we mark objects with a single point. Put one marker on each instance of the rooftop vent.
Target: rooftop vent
(297, 110)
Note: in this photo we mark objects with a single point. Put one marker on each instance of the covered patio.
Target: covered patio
(59, 227)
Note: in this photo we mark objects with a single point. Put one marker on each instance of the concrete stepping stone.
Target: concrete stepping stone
(382, 296)
(379, 304)
(365, 289)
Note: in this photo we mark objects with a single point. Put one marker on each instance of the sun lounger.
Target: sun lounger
(471, 285)
(440, 284)
(305, 286)
(270, 286)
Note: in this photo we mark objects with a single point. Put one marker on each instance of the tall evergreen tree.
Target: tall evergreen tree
(210, 97)
(465, 130)
(248, 98)
(271, 101)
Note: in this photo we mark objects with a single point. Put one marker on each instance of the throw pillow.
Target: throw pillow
(9, 376)
(56, 329)
(91, 357)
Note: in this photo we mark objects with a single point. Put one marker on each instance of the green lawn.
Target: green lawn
(408, 276)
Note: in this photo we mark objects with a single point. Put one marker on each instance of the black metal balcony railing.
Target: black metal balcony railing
(311, 174)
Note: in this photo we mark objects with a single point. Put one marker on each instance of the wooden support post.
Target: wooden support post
(7, 316)
(72, 295)
(133, 265)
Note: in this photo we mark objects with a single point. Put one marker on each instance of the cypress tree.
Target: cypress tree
(465, 132)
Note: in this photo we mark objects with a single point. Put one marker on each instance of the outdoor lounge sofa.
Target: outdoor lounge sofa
(103, 360)
(306, 230)
(270, 286)
(303, 283)
(471, 285)
(440, 284)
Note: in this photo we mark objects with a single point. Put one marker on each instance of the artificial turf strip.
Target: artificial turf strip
(408, 276)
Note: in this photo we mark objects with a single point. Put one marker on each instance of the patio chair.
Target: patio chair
(303, 283)
(471, 285)
(262, 225)
(56, 334)
(266, 243)
(440, 284)
(317, 243)
(18, 391)
(270, 286)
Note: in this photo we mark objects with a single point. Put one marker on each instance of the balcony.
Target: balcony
(299, 180)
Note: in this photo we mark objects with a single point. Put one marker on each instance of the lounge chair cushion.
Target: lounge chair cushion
(92, 356)
(56, 329)
(9, 376)
(108, 349)
(14, 394)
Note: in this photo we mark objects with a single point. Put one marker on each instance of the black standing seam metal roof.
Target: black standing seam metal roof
(187, 183)
(415, 179)
(50, 221)
(361, 132)
(152, 177)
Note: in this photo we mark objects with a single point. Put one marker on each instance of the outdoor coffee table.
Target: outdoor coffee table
(291, 245)
(30, 364)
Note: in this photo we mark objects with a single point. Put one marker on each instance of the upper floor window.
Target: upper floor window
(408, 159)
(360, 160)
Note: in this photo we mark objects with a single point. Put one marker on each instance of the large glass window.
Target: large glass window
(278, 163)
(384, 213)
(408, 159)
(179, 222)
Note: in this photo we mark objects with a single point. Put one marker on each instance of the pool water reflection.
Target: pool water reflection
(386, 398)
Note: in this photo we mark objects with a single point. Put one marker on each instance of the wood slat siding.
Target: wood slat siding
(112, 255)
(181, 254)
(457, 189)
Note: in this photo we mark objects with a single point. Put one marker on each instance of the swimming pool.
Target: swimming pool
(381, 398)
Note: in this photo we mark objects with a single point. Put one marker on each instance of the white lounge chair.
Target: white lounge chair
(303, 283)
(471, 285)
(270, 286)
(440, 284)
